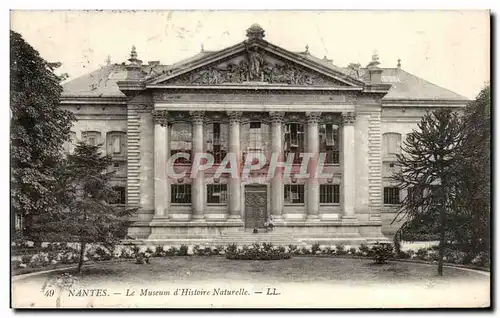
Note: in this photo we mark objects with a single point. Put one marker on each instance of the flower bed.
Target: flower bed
(54, 258)
(264, 252)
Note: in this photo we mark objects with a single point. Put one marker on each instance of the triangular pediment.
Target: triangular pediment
(255, 62)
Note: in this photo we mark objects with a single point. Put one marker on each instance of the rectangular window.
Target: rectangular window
(217, 193)
(92, 137)
(120, 195)
(329, 142)
(255, 137)
(180, 141)
(329, 193)
(391, 195)
(294, 141)
(180, 193)
(217, 145)
(116, 144)
(294, 193)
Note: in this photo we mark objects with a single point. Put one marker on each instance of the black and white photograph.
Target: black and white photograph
(250, 159)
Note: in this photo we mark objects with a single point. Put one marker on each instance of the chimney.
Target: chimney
(134, 66)
(399, 63)
(375, 71)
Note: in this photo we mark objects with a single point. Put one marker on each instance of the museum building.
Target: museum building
(253, 98)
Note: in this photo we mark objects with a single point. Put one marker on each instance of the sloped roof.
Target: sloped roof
(405, 86)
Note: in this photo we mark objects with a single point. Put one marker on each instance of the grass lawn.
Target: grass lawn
(297, 273)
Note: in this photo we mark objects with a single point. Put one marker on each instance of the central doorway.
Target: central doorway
(255, 205)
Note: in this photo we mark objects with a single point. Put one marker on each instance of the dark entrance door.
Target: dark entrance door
(255, 206)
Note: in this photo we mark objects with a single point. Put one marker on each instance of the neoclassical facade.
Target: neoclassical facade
(253, 99)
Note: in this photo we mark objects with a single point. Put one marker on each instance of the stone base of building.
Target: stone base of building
(343, 231)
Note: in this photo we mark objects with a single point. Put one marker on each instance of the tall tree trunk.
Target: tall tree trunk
(82, 254)
(441, 241)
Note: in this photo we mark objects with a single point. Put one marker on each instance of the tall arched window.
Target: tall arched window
(181, 140)
(216, 140)
(391, 144)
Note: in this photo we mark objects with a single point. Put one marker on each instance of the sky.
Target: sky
(448, 48)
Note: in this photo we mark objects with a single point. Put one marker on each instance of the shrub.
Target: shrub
(305, 251)
(403, 255)
(25, 259)
(231, 248)
(142, 258)
(382, 252)
(126, 253)
(329, 250)
(172, 251)
(315, 248)
(421, 254)
(150, 251)
(352, 251)
(136, 249)
(16, 264)
(183, 250)
(340, 249)
(363, 248)
(257, 252)
(292, 249)
(159, 251)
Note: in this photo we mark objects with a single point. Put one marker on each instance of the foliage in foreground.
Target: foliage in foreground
(39, 128)
(87, 213)
(427, 165)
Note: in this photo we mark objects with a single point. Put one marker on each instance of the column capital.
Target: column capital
(313, 117)
(277, 117)
(235, 116)
(197, 117)
(348, 118)
(160, 117)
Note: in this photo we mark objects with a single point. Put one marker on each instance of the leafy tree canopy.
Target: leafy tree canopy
(39, 127)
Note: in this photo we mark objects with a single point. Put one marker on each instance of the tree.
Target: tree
(475, 188)
(427, 170)
(87, 213)
(39, 127)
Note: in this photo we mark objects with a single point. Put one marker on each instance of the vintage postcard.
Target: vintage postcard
(250, 159)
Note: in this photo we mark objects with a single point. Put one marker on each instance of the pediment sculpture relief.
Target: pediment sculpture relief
(254, 66)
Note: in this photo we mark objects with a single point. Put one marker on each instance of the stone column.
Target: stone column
(160, 118)
(198, 183)
(235, 180)
(277, 148)
(313, 149)
(348, 165)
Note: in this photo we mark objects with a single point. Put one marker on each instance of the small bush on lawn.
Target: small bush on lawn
(16, 264)
(183, 251)
(382, 252)
(352, 251)
(143, 258)
(25, 259)
(340, 249)
(257, 251)
(292, 249)
(403, 255)
(172, 251)
(159, 251)
(315, 249)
